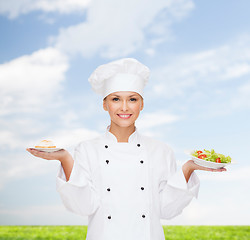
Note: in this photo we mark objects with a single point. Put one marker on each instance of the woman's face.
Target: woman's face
(123, 107)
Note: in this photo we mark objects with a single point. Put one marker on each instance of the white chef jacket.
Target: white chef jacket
(125, 188)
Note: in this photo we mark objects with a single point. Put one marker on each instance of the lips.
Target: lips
(124, 116)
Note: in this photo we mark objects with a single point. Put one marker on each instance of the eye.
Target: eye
(115, 99)
(133, 99)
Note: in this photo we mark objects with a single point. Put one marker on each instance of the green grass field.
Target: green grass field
(79, 232)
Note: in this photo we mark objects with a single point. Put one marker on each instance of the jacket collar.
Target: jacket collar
(111, 137)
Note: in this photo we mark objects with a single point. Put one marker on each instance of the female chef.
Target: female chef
(123, 181)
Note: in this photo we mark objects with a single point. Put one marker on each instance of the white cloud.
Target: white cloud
(223, 200)
(34, 210)
(232, 174)
(150, 52)
(14, 9)
(213, 211)
(117, 28)
(54, 214)
(21, 164)
(70, 138)
(31, 81)
(149, 120)
(8, 140)
(241, 98)
(28, 84)
(183, 75)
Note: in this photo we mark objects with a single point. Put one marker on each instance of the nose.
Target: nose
(124, 106)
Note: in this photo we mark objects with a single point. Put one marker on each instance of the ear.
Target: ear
(142, 104)
(105, 105)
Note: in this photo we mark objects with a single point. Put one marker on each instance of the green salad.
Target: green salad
(211, 156)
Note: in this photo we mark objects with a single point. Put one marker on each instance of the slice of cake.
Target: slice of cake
(45, 144)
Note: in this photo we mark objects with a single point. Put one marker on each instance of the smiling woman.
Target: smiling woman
(123, 108)
(124, 181)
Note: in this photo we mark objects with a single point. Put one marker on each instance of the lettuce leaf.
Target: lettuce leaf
(212, 156)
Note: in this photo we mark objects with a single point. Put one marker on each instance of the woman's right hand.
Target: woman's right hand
(62, 155)
(57, 155)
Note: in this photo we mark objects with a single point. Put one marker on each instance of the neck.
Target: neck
(121, 133)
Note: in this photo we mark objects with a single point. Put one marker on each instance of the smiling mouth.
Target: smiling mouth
(124, 116)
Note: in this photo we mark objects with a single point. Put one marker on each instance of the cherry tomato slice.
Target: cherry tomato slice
(218, 160)
(202, 156)
(199, 152)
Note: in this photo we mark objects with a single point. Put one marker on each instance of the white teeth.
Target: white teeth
(124, 116)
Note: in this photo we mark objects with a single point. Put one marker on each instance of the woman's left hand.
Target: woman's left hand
(190, 166)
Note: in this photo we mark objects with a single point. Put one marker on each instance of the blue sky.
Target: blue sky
(197, 97)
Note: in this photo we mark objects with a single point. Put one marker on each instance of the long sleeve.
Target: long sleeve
(175, 192)
(79, 195)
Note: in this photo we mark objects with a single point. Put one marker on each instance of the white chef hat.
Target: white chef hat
(126, 74)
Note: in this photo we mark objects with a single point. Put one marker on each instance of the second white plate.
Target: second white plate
(208, 164)
(48, 149)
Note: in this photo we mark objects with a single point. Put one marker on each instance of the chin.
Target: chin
(125, 125)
